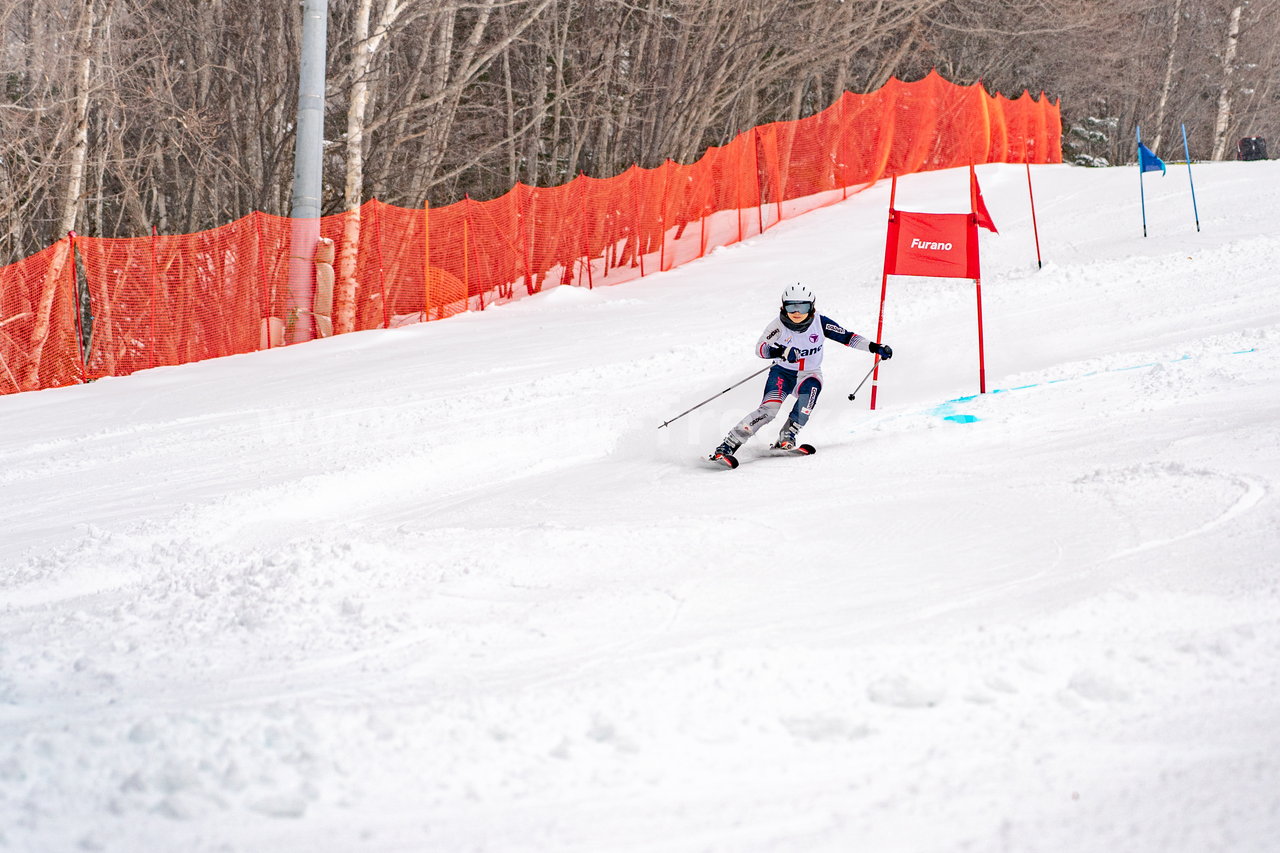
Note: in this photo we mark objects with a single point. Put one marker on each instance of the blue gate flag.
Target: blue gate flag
(1149, 162)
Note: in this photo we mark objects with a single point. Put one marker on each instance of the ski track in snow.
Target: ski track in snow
(360, 595)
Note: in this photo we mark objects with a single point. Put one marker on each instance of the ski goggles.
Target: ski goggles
(797, 307)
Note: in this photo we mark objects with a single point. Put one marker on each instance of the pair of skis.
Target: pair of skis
(728, 460)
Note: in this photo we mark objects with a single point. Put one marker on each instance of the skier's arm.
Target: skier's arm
(835, 332)
(767, 347)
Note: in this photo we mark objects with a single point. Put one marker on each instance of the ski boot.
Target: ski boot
(787, 437)
(724, 453)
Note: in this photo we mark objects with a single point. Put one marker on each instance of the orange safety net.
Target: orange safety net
(164, 300)
(39, 345)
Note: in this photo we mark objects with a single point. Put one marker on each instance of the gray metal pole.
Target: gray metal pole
(308, 169)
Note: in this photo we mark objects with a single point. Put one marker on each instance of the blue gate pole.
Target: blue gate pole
(1141, 192)
(1187, 150)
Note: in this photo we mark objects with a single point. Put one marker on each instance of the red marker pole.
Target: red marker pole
(890, 241)
(982, 365)
(1034, 229)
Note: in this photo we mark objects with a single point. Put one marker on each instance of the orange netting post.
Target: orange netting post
(266, 340)
(426, 259)
(371, 312)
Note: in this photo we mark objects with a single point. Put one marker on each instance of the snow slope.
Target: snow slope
(447, 587)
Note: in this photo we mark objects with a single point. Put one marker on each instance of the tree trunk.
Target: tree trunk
(367, 46)
(1168, 77)
(71, 201)
(1223, 122)
(79, 156)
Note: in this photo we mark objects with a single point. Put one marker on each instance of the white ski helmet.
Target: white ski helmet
(797, 293)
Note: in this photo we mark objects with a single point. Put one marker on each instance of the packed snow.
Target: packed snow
(448, 587)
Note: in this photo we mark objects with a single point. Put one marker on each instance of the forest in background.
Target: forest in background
(120, 116)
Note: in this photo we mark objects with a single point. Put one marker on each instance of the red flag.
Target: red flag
(940, 245)
(979, 206)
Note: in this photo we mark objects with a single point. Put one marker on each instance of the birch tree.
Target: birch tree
(1168, 76)
(72, 198)
(1223, 120)
(366, 46)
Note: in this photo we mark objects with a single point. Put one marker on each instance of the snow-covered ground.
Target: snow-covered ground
(448, 588)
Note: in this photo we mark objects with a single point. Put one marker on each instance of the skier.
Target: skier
(794, 341)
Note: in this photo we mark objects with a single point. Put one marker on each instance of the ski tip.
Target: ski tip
(796, 450)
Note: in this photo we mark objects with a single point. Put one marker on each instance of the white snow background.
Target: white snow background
(448, 588)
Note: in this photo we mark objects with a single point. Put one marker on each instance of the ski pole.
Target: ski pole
(863, 382)
(709, 399)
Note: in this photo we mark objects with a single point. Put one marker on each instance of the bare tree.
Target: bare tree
(365, 48)
(189, 118)
(1223, 120)
(72, 196)
(1168, 76)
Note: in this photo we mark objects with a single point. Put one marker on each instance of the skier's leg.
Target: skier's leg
(749, 425)
(776, 389)
(806, 399)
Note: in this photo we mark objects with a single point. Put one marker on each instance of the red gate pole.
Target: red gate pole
(975, 267)
(982, 366)
(1034, 228)
(890, 242)
(875, 372)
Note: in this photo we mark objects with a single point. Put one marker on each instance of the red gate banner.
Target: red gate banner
(934, 245)
(938, 245)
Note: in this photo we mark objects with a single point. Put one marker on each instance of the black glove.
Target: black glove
(789, 354)
(883, 350)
